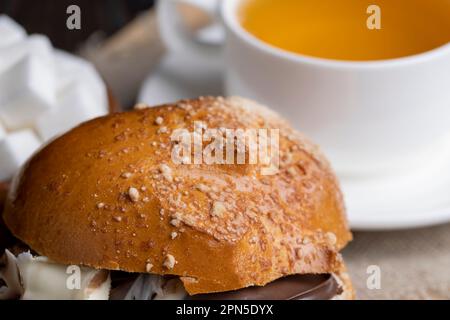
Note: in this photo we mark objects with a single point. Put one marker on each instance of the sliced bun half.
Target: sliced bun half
(108, 195)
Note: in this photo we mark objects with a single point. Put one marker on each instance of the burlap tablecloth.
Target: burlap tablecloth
(414, 264)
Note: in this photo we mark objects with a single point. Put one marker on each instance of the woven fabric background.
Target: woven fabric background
(414, 264)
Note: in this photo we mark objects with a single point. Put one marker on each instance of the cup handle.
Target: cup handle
(177, 38)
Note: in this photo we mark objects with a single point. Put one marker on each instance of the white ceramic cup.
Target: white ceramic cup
(370, 118)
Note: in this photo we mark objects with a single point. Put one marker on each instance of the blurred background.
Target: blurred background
(120, 37)
(99, 38)
(101, 19)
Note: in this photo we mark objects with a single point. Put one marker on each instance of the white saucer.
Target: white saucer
(178, 77)
(419, 199)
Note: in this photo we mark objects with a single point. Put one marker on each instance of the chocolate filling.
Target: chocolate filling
(294, 287)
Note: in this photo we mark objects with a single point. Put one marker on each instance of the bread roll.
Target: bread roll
(108, 195)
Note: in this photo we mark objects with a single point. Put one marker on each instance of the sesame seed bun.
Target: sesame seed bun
(108, 195)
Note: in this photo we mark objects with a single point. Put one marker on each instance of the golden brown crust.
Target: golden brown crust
(343, 279)
(107, 195)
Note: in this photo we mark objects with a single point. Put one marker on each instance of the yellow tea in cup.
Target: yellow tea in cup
(349, 29)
